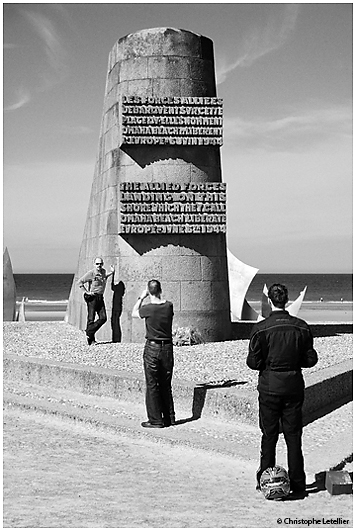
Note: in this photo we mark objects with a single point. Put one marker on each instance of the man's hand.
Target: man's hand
(144, 294)
(135, 310)
(112, 272)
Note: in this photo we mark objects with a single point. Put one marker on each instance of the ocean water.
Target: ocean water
(43, 287)
(329, 287)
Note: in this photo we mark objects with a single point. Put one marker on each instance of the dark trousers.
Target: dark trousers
(158, 365)
(287, 411)
(95, 305)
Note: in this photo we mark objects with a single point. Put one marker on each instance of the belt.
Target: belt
(295, 369)
(160, 341)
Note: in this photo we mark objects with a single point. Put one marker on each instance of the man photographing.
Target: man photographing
(94, 297)
(279, 347)
(157, 355)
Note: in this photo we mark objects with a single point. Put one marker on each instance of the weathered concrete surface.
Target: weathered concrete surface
(324, 389)
(242, 329)
(204, 477)
(192, 267)
(9, 289)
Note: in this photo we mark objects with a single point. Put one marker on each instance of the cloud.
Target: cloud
(45, 54)
(53, 48)
(301, 128)
(75, 130)
(23, 97)
(271, 35)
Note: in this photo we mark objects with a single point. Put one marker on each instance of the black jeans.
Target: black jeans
(287, 410)
(158, 365)
(95, 305)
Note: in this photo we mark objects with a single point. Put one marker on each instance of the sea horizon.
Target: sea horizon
(328, 287)
(329, 296)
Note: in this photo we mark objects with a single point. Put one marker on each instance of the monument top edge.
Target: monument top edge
(163, 29)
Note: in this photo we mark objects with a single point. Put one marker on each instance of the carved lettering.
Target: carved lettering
(157, 208)
(179, 121)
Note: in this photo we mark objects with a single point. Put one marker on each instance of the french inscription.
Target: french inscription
(194, 121)
(158, 208)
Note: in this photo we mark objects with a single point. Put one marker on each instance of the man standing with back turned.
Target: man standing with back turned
(94, 297)
(279, 347)
(157, 356)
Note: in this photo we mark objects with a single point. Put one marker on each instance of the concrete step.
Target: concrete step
(230, 438)
(226, 401)
(327, 442)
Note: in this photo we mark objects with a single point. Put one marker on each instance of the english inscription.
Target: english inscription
(158, 208)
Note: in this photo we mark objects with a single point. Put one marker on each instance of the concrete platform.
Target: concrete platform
(325, 389)
(327, 442)
(200, 473)
(216, 419)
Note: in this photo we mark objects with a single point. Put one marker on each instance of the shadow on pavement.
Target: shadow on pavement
(218, 384)
(319, 483)
(199, 396)
(312, 416)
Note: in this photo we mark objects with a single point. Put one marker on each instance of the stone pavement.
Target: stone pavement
(76, 460)
(327, 442)
(66, 474)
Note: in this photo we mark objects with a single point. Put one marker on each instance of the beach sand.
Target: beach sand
(326, 312)
(47, 311)
(321, 312)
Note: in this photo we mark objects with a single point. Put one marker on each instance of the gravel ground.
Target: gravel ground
(207, 363)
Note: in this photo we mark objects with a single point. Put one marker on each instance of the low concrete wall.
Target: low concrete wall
(242, 329)
(325, 389)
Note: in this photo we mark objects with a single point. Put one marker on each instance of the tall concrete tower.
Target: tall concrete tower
(158, 205)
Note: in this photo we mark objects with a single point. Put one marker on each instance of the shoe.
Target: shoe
(168, 423)
(91, 341)
(149, 425)
(297, 495)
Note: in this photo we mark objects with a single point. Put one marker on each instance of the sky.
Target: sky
(284, 72)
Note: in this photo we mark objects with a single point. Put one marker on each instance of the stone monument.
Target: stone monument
(158, 204)
(9, 289)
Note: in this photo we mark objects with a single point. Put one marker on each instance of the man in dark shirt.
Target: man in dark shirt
(157, 356)
(279, 347)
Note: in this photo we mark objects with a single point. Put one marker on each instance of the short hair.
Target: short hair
(278, 294)
(98, 257)
(154, 287)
